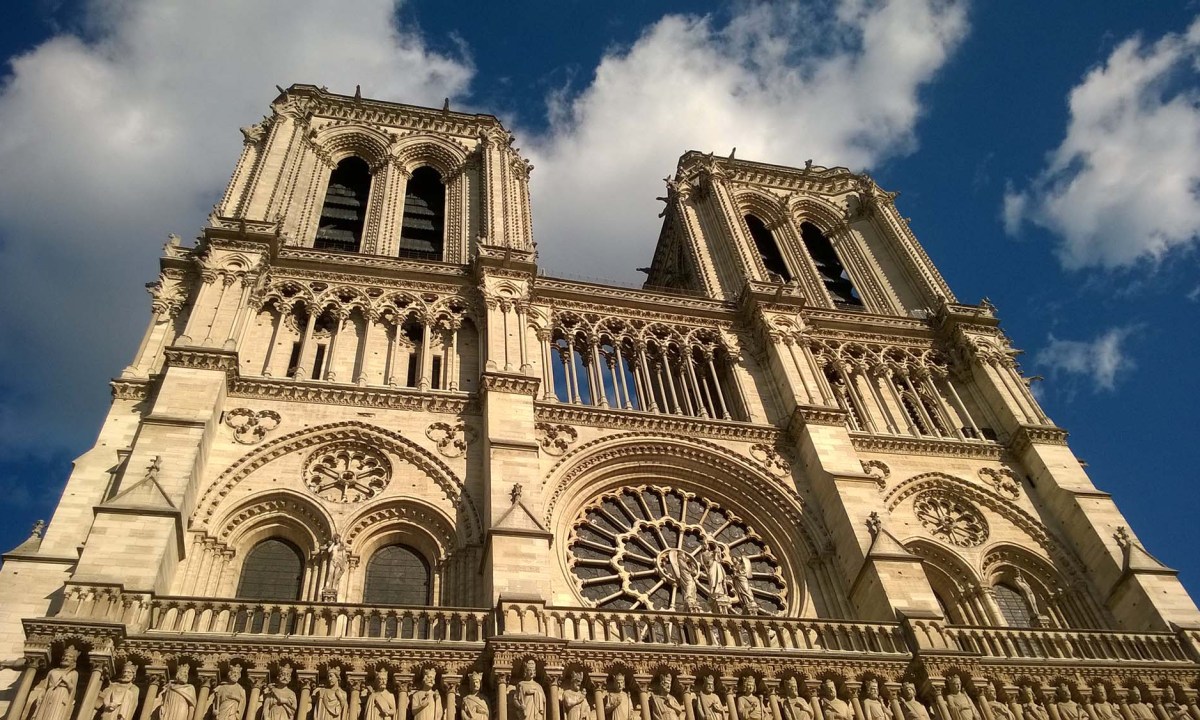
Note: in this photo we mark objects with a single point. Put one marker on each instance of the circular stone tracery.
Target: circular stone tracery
(347, 472)
(950, 519)
(644, 547)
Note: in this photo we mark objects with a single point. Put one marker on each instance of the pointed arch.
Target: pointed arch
(445, 156)
(334, 143)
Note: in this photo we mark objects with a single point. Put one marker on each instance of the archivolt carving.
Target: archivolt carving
(282, 503)
(399, 512)
(335, 142)
(351, 430)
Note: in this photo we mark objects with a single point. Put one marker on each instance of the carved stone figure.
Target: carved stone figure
(574, 700)
(717, 580)
(178, 698)
(279, 701)
(749, 704)
(874, 708)
(998, 706)
(339, 560)
(958, 702)
(1139, 709)
(663, 705)
(329, 700)
(1068, 709)
(833, 707)
(119, 700)
(529, 699)
(682, 570)
(742, 573)
(427, 701)
(229, 699)
(1103, 709)
(791, 705)
(912, 708)
(381, 703)
(618, 705)
(709, 703)
(1030, 709)
(474, 706)
(56, 694)
(1170, 703)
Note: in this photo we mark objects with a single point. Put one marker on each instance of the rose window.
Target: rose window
(658, 548)
(347, 473)
(950, 519)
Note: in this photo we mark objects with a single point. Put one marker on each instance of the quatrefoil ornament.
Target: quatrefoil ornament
(250, 427)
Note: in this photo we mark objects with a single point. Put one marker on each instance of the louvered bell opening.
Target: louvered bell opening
(422, 230)
(837, 281)
(345, 210)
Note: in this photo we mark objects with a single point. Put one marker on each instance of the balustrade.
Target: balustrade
(1075, 645)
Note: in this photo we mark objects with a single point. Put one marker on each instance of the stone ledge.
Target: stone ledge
(388, 398)
(890, 444)
(612, 418)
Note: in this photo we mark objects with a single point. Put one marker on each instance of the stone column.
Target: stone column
(598, 693)
(16, 708)
(208, 678)
(155, 679)
(686, 684)
(502, 696)
(643, 685)
(403, 685)
(87, 705)
(730, 684)
(307, 680)
(305, 339)
(451, 704)
(553, 676)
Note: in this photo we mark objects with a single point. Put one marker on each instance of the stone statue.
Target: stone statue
(339, 560)
(749, 704)
(1023, 585)
(119, 700)
(329, 700)
(229, 699)
(1068, 709)
(912, 708)
(742, 573)
(833, 707)
(574, 700)
(474, 706)
(56, 693)
(709, 703)
(958, 702)
(1103, 709)
(618, 705)
(528, 697)
(874, 708)
(663, 705)
(682, 570)
(1030, 709)
(1137, 708)
(1170, 703)
(178, 699)
(791, 705)
(427, 701)
(998, 706)
(717, 579)
(279, 701)
(381, 703)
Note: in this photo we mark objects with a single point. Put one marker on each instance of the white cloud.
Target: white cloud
(782, 82)
(1100, 359)
(1124, 185)
(110, 142)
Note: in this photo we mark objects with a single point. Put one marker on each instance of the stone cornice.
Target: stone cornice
(561, 292)
(816, 415)
(1029, 435)
(198, 358)
(888, 444)
(513, 383)
(360, 109)
(632, 420)
(362, 264)
(130, 388)
(353, 395)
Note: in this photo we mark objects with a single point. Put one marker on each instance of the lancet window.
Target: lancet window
(397, 575)
(344, 213)
(768, 250)
(651, 369)
(423, 231)
(273, 570)
(1013, 606)
(833, 273)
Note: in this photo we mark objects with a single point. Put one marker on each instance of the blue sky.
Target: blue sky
(1047, 153)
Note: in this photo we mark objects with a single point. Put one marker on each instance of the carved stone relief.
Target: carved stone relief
(950, 519)
(347, 472)
(250, 427)
(452, 440)
(555, 439)
(1003, 480)
(878, 470)
(770, 456)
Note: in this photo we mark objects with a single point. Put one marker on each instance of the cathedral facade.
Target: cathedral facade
(369, 462)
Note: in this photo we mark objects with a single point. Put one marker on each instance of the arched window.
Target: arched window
(345, 209)
(1013, 606)
(424, 228)
(397, 575)
(833, 274)
(272, 571)
(768, 250)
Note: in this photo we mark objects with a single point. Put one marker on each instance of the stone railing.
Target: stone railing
(1067, 645)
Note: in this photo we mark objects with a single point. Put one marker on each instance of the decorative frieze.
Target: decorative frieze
(370, 397)
(556, 413)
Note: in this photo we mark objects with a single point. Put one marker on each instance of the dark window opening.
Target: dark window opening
(318, 362)
(411, 380)
(1013, 606)
(272, 571)
(294, 360)
(423, 231)
(436, 377)
(833, 273)
(345, 211)
(988, 433)
(768, 250)
(397, 575)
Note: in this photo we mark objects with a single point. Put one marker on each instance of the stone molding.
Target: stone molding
(352, 395)
(1029, 435)
(511, 383)
(225, 361)
(895, 445)
(550, 412)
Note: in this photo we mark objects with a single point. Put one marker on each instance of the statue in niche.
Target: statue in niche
(663, 705)
(912, 708)
(339, 560)
(119, 700)
(279, 701)
(1103, 709)
(958, 702)
(709, 703)
(426, 700)
(54, 698)
(791, 705)
(381, 703)
(229, 699)
(1030, 709)
(528, 697)
(1068, 709)
(742, 572)
(874, 708)
(832, 706)
(749, 704)
(474, 706)
(1137, 708)
(618, 705)
(1170, 703)
(329, 700)
(999, 706)
(717, 580)
(574, 700)
(178, 698)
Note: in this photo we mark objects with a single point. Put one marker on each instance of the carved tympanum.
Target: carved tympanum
(347, 472)
(951, 519)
